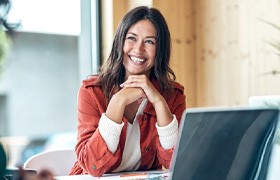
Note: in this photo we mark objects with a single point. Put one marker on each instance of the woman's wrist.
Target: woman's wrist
(164, 116)
(113, 113)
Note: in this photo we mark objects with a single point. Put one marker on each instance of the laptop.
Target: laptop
(269, 101)
(225, 144)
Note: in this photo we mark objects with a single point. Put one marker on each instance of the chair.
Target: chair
(59, 162)
(3, 161)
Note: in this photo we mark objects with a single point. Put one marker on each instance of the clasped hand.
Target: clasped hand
(137, 87)
(134, 89)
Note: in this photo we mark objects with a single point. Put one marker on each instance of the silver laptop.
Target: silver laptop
(225, 144)
(270, 101)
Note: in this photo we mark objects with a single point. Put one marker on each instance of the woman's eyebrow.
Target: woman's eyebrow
(132, 33)
(145, 37)
(151, 37)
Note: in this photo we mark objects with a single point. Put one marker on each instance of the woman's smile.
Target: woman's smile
(137, 60)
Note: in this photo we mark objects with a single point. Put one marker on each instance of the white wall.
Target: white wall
(41, 83)
(47, 16)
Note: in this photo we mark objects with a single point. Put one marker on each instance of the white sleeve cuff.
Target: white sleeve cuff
(168, 134)
(110, 131)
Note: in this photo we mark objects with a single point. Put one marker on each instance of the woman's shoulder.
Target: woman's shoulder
(92, 80)
(178, 86)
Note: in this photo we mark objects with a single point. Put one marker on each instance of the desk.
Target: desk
(126, 175)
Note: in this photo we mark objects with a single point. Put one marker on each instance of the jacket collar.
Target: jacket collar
(91, 81)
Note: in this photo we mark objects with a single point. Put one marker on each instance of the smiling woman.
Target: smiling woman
(140, 48)
(128, 114)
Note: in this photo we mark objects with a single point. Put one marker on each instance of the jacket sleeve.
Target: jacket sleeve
(177, 106)
(93, 154)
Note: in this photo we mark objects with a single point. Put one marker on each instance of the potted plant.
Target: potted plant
(4, 47)
(274, 43)
(5, 27)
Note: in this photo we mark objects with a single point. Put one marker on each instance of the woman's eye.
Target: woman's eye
(150, 42)
(131, 38)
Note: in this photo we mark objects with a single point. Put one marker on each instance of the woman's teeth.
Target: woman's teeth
(137, 60)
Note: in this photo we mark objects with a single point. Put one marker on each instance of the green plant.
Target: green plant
(5, 27)
(4, 47)
(274, 43)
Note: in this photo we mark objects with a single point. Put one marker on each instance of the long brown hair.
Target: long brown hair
(113, 72)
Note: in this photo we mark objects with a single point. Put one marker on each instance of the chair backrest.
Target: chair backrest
(59, 162)
(3, 160)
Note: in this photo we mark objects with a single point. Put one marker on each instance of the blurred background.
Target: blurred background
(223, 52)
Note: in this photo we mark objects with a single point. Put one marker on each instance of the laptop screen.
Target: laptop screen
(225, 143)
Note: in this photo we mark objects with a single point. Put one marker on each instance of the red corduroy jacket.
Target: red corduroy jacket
(94, 158)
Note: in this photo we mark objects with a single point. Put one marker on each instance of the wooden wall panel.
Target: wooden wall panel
(264, 66)
(179, 16)
(221, 72)
(219, 48)
(120, 8)
(232, 55)
(107, 30)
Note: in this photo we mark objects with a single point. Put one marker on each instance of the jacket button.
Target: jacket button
(147, 149)
(93, 167)
(144, 118)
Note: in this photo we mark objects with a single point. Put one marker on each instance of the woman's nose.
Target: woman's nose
(139, 46)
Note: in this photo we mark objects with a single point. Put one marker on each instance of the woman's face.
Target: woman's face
(140, 48)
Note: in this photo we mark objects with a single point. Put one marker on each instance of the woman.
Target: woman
(128, 115)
